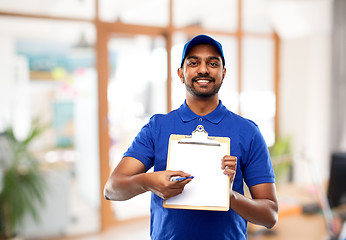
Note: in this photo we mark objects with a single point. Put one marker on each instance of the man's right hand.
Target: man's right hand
(130, 179)
(159, 183)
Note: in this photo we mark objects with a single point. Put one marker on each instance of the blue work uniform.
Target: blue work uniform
(253, 167)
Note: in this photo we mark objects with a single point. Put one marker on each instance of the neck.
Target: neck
(202, 106)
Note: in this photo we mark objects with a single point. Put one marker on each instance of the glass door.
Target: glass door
(136, 90)
(50, 77)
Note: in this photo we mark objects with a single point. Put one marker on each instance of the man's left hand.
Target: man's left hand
(229, 165)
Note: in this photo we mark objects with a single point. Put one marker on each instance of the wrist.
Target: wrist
(144, 181)
(233, 197)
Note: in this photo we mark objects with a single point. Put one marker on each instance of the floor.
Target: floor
(298, 227)
(133, 230)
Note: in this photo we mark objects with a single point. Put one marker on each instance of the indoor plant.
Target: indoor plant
(281, 155)
(21, 181)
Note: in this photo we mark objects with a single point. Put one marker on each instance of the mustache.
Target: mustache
(203, 76)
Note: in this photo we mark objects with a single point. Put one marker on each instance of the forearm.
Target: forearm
(123, 187)
(258, 211)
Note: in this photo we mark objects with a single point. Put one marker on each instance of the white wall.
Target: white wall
(305, 101)
(14, 98)
(305, 81)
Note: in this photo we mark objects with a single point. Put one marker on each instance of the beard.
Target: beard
(202, 94)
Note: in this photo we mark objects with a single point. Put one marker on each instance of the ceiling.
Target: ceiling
(289, 18)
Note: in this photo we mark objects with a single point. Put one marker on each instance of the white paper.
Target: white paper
(209, 185)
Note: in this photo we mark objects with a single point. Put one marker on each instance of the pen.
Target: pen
(178, 178)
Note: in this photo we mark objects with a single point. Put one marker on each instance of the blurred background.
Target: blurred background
(79, 78)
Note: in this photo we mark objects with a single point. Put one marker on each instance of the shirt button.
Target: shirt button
(200, 119)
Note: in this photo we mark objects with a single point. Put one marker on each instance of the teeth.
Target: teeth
(203, 81)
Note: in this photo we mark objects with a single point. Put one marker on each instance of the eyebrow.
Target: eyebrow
(192, 57)
(209, 58)
(214, 58)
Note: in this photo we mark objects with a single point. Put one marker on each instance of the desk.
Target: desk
(297, 227)
(293, 223)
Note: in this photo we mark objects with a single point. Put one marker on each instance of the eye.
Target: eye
(192, 63)
(214, 64)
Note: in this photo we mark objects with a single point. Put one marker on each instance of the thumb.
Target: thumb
(179, 173)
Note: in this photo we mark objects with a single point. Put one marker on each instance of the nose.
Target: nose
(203, 68)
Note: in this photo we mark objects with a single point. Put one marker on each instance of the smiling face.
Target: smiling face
(202, 72)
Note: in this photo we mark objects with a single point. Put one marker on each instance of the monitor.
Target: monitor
(337, 180)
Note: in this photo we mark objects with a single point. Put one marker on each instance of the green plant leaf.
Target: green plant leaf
(24, 186)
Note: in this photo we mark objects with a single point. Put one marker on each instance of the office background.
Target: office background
(96, 70)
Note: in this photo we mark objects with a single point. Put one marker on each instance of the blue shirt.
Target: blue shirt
(253, 166)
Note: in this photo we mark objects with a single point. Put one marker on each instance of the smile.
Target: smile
(203, 80)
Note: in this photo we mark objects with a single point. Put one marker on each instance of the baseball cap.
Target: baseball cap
(202, 39)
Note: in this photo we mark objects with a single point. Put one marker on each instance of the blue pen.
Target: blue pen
(178, 178)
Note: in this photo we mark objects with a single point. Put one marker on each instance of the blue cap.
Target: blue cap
(202, 39)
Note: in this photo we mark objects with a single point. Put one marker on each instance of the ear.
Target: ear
(223, 73)
(181, 74)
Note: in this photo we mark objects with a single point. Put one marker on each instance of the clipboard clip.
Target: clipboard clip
(199, 137)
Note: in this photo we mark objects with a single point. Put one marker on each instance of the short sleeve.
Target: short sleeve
(142, 147)
(258, 168)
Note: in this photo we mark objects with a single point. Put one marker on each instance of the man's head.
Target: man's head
(202, 39)
(202, 67)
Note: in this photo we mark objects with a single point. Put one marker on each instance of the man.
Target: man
(202, 71)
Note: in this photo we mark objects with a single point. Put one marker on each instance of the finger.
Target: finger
(229, 164)
(229, 172)
(178, 173)
(186, 181)
(181, 184)
(172, 192)
(229, 158)
(228, 161)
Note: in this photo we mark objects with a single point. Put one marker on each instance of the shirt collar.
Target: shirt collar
(186, 114)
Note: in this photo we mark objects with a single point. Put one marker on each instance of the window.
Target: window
(90, 74)
(48, 73)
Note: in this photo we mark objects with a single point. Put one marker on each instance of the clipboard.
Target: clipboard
(200, 155)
